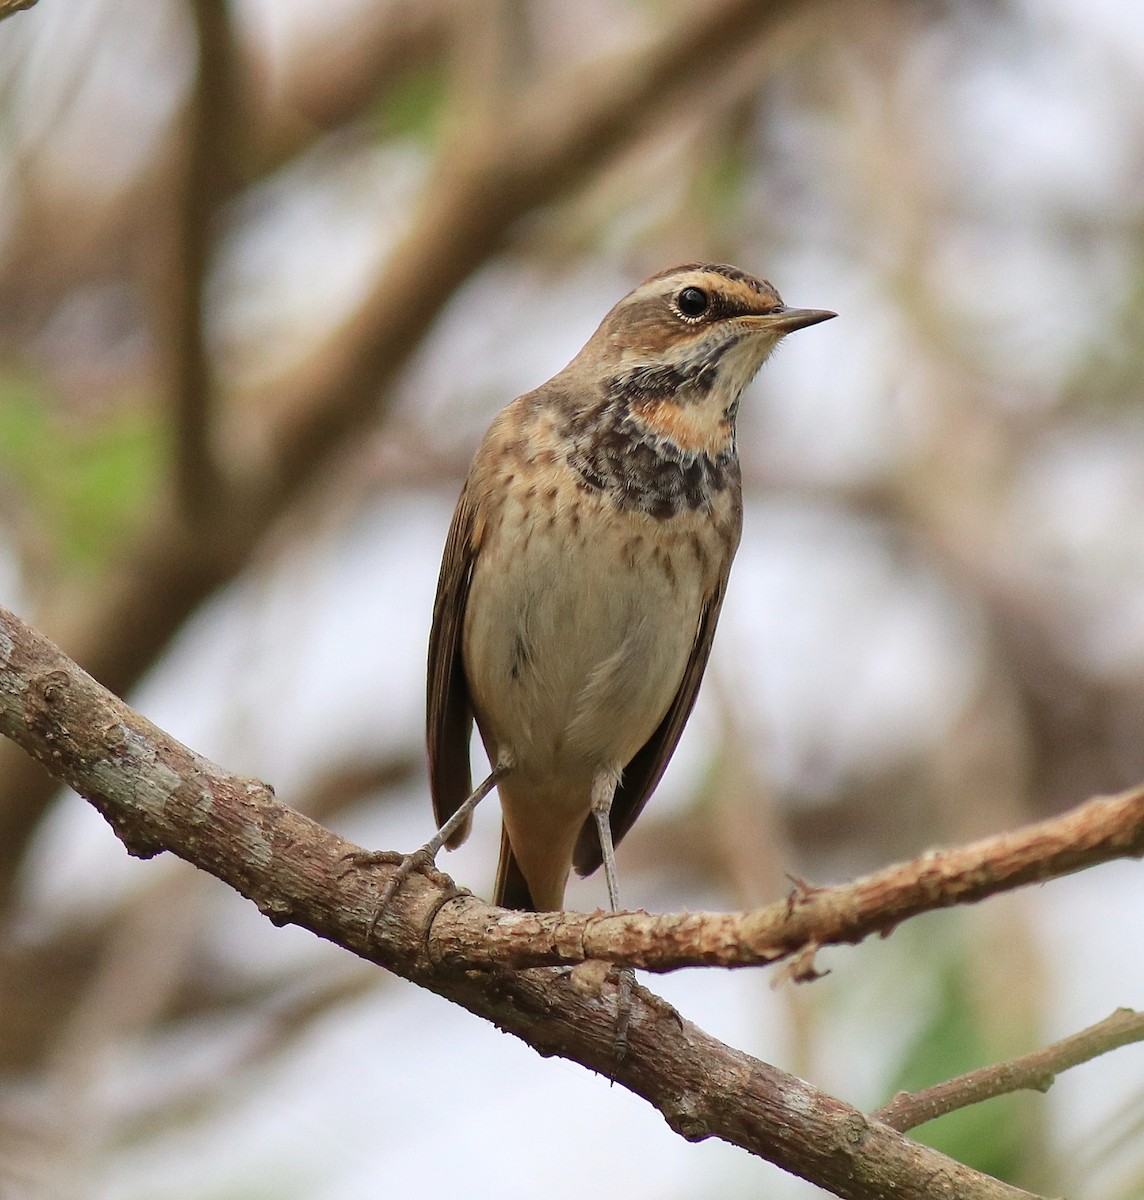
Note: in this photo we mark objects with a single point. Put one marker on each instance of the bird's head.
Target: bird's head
(679, 349)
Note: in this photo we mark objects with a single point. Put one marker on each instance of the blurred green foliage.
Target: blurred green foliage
(413, 106)
(956, 1037)
(81, 477)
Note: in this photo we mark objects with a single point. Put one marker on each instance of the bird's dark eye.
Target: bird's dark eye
(693, 302)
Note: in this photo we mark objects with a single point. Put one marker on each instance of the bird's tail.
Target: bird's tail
(511, 890)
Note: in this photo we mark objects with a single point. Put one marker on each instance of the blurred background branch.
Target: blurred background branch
(214, 120)
(8, 7)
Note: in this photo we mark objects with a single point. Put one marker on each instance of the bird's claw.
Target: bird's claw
(423, 859)
(355, 860)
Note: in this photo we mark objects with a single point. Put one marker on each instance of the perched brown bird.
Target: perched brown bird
(584, 572)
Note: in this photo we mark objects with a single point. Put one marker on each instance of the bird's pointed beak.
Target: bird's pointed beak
(787, 320)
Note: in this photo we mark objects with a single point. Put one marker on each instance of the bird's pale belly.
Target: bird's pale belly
(578, 636)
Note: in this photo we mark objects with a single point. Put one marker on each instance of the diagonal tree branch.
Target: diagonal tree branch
(324, 85)
(157, 795)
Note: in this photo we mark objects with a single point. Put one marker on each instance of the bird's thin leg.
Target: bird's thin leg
(603, 792)
(426, 856)
(433, 846)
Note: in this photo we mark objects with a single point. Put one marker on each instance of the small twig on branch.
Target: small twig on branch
(159, 795)
(1035, 1071)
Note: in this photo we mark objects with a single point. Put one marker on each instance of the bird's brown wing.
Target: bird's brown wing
(448, 710)
(644, 771)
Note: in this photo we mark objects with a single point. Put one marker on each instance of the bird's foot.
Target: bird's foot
(590, 978)
(423, 859)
